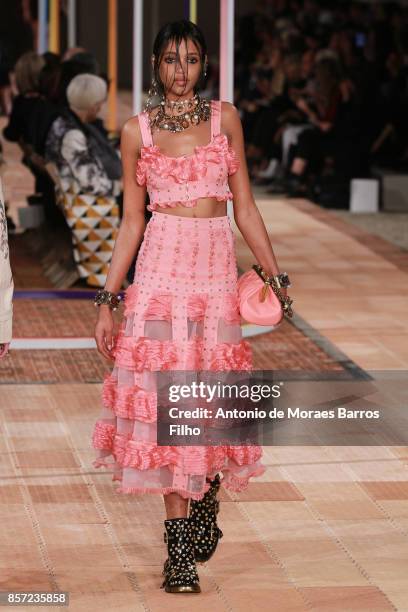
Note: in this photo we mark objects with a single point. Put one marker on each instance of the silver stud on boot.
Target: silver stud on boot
(203, 515)
(179, 568)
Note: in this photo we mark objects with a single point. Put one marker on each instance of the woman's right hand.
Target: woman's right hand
(104, 332)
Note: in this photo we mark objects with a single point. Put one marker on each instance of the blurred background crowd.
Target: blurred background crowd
(321, 87)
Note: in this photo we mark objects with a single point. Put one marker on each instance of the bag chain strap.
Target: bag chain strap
(269, 281)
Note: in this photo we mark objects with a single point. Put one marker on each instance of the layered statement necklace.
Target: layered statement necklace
(190, 112)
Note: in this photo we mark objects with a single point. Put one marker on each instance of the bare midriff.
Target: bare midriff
(205, 207)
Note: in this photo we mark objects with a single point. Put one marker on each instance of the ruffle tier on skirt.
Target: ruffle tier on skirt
(181, 313)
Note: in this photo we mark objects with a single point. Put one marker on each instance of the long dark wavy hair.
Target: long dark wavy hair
(178, 31)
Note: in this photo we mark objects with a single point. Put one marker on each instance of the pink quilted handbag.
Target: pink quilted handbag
(260, 300)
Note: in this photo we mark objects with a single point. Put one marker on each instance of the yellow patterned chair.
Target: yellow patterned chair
(94, 223)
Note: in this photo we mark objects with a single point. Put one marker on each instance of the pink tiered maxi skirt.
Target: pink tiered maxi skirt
(180, 313)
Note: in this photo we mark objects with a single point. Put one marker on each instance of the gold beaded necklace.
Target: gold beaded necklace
(197, 110)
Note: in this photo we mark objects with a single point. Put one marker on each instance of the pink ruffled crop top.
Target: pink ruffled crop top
(175, 181)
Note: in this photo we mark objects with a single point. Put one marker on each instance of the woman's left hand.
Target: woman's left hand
(4, 347)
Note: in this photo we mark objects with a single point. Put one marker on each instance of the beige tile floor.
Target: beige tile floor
(325, 528)
(351, 295)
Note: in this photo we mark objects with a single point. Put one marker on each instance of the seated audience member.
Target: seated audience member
(5, 85)
(47, 109)
(31, 116)
(281, 109)
(333, 123)
(89, 172)
(6, 284)
(81, 62)
(27, 74)
(84, 157)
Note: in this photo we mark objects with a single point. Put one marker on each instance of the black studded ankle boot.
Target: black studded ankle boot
(203, 515)
(179, 568)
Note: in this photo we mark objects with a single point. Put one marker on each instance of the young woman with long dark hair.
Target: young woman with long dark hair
(181, 312)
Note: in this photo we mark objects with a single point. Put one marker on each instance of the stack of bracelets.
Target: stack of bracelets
(108, 298)
(113, 299)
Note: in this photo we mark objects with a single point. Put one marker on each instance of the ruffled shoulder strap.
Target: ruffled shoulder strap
(145, 129)
(215, 117)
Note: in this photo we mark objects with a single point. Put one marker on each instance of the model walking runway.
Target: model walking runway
(182, 310)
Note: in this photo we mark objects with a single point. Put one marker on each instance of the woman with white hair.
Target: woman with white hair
(6, 284)
(89, 170)
(69, 141)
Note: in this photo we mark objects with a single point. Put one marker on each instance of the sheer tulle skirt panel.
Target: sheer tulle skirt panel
(180, 313)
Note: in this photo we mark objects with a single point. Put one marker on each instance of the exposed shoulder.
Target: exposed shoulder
(131, 135)
(229, 109)
(230, 118)
(131, 127)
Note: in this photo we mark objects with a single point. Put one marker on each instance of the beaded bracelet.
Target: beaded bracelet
(108, 298)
